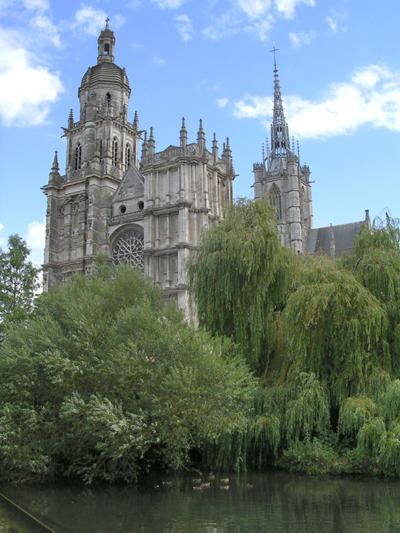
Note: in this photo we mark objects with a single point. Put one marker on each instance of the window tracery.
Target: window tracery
(128, 155)
(78, 157)
(275, 199)
(115, 152)
(129, 249)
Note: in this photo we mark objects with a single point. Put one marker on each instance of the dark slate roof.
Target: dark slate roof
(319, 239)
(105, 73)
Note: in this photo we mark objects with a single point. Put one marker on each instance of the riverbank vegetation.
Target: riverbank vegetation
(105, 380)
(296, 363)
(321, 335)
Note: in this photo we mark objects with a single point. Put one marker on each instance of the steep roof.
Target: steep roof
(320, 239)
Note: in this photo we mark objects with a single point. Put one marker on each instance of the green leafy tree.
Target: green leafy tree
(240, 277)
(335, 328)
(376, 264)
(18, 281)
(105, 380)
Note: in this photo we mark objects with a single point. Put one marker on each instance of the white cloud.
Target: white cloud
(298, 39)
(41, 5)
(159, 61)
(287, 7)
(27, 89)
(134, 4)
(226, 24)
(222, 102)
(45, 25)
(334, 22)
(35, 241)
(185, 27)
(371, 97)
(90, 20)
(261, 28)
(168, 4)
(256, 16)
(5, 3)
(255, 8)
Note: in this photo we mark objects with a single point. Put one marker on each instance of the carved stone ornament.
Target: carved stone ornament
(129, 250)
(121, 219)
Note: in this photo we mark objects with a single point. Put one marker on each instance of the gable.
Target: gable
(131, 186)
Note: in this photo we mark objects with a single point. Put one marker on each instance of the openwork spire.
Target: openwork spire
(280, 142)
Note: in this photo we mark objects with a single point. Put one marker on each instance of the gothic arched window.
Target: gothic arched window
(129, 249)
(78, 157)
(106, 49)
(275, 199)
(108, 101)
(127, 155)
(115, 152)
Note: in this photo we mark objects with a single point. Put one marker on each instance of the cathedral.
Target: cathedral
(149, 209)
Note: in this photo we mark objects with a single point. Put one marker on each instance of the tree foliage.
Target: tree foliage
(240, 276)
(105, 380)
(18, 281)
(336, 328)
(333, 327)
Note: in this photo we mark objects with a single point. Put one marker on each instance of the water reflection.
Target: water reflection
(278, 502)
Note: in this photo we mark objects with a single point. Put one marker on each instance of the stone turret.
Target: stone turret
(280, 177)
(100, 148)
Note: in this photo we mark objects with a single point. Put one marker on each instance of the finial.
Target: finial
(70, 119)
(55, 167)
(136, 121)
(263, 153)
(215, 148)
(227, 142)
(183, 134)
(201, 138)
(107, 21)
(367, 219)
(151, 134)
(274, 50)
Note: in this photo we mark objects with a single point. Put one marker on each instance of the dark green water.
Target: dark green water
(278, 502)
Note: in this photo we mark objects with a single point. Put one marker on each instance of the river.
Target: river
(277, 502)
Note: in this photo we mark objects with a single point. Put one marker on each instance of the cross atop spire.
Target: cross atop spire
(274, 50)
(106, 43)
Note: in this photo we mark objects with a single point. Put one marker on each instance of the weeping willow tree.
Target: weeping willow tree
(330, 393)
(335, 328)
(376, 261)
(240, 277)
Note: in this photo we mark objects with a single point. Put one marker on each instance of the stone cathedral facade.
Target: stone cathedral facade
(149, 209)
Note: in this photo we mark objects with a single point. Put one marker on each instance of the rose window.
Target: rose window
(129, 250)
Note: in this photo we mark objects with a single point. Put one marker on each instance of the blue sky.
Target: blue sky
(338, 63)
